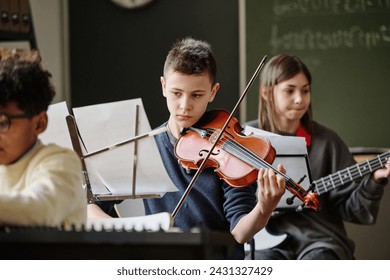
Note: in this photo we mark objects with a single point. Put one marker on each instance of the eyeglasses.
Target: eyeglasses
(5, 121)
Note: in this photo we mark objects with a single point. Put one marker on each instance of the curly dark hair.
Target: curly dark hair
(23, 80)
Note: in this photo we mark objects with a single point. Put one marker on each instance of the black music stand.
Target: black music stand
(79, 146)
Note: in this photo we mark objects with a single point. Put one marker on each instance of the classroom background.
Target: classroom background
(99, 52)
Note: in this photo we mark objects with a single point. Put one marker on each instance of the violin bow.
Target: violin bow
(200, 169)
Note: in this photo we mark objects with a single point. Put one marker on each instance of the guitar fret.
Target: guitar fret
(317, 187)
(336, 180)
(356, 173)
(361, 175)
(349, 172)
(369, 166)
(345, 175)
(363, 167)
(380, 162)
(323, 182)
(342, 182)
(332, 181)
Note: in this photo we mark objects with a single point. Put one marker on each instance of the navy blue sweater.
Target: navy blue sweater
(211, 203)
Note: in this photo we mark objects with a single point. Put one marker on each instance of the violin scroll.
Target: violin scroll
(309, 198)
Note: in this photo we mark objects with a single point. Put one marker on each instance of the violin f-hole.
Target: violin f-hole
(205, 151)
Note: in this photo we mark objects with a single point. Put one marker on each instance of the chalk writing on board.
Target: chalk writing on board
(334, 7)
(311, 39)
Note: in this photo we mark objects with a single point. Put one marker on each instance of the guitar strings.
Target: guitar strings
(350, 174)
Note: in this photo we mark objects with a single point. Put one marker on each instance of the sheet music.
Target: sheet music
(104, 125)
(291, 152)
(57, 130)
(282, 144)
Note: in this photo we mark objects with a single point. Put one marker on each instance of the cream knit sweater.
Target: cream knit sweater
(44, 187)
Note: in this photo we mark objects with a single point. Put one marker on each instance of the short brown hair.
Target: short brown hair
(192, 57)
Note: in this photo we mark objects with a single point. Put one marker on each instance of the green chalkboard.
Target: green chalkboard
(346, 45)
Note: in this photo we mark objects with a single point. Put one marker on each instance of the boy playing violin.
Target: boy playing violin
(189, 84)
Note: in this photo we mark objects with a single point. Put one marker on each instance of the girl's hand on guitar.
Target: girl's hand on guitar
(383, 173)
(271, 188)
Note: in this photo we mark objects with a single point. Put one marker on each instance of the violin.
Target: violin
(236, 158)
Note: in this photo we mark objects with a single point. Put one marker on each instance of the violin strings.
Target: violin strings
(252, 159)
(255, 158)
(243, 153)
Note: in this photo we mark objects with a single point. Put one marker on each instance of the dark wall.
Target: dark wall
(118, 54)
(346, 45)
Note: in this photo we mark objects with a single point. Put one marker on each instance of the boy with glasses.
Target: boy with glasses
(39, 184)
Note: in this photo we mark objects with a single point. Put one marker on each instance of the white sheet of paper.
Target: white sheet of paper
(283, 144)
(291, 152)
(107, 124)
(57, 130)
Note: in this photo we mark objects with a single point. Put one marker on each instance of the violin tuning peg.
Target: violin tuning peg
(301, 179)
(290, 200)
